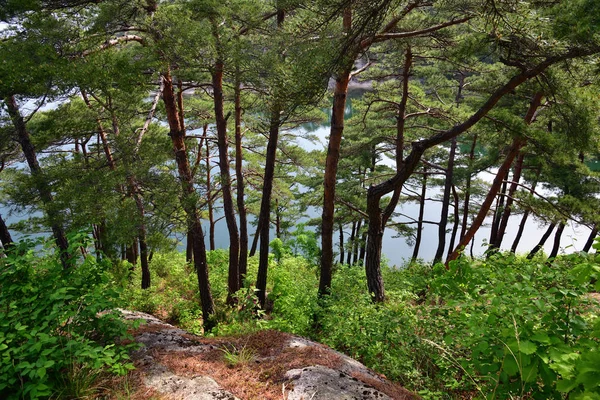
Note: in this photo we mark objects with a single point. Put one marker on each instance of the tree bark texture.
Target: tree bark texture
(498, 211)
(329, 179)
(24, 140)
(445, 203)
(351, 244)
(591, 238)
(356, 242)
(456, 220)
(421, 215)
(265, 205)
(233, 281)
(341, 243)
(557, 236)
(209, 189)
(465, 217)
(5, 237)
(515, 244)
(243, 260)
(513, 150)
(177, 134)
(542, 241)
(378, 218)
(509, 201)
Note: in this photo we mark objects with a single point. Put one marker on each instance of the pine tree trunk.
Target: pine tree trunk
(341, 243)
(329, 179)
(211, 215)
(241, 205)
(590, 241)
(225, 179)
(557, 236)
(189, 249)
(356, 243)
(142, 232)
(374, 246)
(351, 244)
(465, 218)
(5, 238)
(277, 220)
(363, 248)
(514, 149)
(421, 214)
(42, 187)
(498, 212)
(265, 205)
(509, 201)
(445, 204)
(542, 241)
(515, 244)
(255, 239)
(456, 221)
(177, 134)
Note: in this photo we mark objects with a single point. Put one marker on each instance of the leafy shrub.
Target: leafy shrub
(520, 327)
(56, 324)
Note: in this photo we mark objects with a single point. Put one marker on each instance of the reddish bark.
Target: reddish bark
(265, 205)
(445, 204)
(509, 201)
(243, 261)
(514, 149)
(177, 134)
(233, 281)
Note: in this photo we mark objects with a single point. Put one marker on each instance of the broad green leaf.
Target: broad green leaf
(527, 347)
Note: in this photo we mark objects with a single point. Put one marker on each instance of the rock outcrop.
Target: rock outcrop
(173, 364)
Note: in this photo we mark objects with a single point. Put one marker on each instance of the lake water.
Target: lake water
(396, 249)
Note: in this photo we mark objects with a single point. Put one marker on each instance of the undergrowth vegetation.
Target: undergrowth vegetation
(59, 328)
(496, 328)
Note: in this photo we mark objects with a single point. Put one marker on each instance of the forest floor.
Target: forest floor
(173, 364)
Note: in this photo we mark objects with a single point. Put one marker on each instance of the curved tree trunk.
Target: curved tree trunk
(241, 205)
(591, 238)
(465, 217)
(5, 238)
(456, 220)
(421, 215)
(515, 244)
(351, 242)
(329, 180)
(211, 215)
(356, 243)
(542, 241)
(255, 239)
(341, 243)
(557, 236)
(233, 281)
(177, 134)
(514, 149)
(445, 204)
(265, 206)
(498, 211)
(509, 201)
(42, 187)
(331, 164)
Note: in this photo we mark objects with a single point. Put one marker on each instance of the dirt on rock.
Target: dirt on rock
(173, 364)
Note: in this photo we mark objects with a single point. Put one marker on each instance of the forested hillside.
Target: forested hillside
(131, 131)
